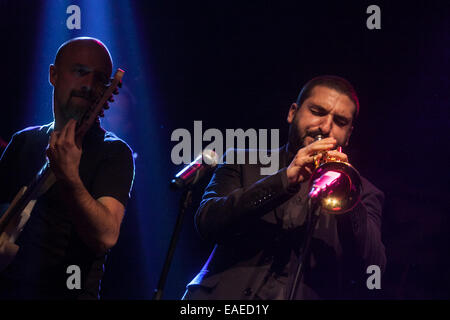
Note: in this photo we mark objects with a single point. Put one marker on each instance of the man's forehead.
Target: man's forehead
(88, 54)
(329, 98)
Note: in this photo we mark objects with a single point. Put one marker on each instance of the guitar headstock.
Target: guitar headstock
(119, 74)
(101, 104)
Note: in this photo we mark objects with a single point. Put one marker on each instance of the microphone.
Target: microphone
(194, 171)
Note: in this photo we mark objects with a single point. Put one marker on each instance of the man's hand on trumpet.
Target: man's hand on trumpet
(303, 164)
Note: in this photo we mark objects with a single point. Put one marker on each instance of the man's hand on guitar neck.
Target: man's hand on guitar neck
(64, 154)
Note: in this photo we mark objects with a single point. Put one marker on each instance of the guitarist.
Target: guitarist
(76, 221)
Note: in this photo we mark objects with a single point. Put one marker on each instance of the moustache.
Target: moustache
(314, 133)
(87, 95)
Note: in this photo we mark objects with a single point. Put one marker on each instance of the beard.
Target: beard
(296, 137)
(73, 110)
(76, 106)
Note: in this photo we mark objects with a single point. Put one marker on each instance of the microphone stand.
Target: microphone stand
(313, 214)
(185, 201)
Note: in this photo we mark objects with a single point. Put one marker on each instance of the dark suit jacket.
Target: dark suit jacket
(247, 216)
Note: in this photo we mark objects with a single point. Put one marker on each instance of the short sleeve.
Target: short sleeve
(7, 169)
(115, 175)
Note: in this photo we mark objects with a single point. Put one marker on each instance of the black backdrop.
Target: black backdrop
(240, 65)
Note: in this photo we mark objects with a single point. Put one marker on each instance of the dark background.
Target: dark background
(241, 65)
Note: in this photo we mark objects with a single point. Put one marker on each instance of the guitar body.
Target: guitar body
(16, 216)
(8, 248)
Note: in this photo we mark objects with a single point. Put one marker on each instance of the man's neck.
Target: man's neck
(96, 127)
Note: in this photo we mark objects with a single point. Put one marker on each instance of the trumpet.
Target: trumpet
(334, 185)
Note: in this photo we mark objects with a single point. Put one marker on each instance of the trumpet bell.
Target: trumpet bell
(336, 186)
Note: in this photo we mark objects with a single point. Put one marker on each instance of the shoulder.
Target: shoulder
(369, 187)
(33, 133)
(370, 191)
(250, 156)
(36, 130)
(256, 162)
(116, 145)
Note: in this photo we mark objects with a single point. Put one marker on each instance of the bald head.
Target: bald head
(80, 74)
(83, 44)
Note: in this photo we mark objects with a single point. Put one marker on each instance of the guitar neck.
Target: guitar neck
(89, 117)
(41, 183)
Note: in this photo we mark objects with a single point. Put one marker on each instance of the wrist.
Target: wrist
(291, 185)
(73, 183)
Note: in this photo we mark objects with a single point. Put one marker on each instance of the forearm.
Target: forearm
(360, 234)
(369, 238)
(229, 209)
(94, 223)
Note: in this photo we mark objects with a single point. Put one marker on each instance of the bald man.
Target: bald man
(77, 221)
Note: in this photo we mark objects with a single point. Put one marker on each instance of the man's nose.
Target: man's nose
(326, 125)
(88, 82)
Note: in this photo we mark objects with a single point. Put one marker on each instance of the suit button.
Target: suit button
(248, 292)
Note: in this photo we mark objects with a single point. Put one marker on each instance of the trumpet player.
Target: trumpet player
(258, 222)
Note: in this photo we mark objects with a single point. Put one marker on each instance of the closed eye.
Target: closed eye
(341, 121)
(318, 110)
(81, 71)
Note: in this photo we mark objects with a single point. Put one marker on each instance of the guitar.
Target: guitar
(16, 216)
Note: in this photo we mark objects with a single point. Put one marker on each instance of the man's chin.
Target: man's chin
(79, 101)
(75, 112)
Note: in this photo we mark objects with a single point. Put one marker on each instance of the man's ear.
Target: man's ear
(348, 137)
(291, 114)
(52, 75)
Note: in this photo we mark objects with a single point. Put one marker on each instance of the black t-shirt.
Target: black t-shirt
(49, 243)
